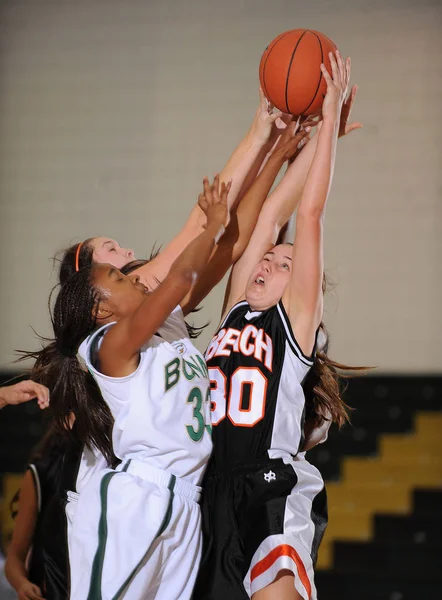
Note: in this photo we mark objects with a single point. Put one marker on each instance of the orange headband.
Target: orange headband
(77, 256)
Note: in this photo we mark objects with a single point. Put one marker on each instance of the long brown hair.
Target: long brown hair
(326, 382)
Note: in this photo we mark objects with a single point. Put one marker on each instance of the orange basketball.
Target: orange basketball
(290, 71)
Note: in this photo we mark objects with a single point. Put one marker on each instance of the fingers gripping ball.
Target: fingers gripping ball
(290, 71)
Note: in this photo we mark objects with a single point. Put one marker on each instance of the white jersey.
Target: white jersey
(162, 410)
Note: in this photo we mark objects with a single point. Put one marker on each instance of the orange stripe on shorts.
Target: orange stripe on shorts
(282, 550)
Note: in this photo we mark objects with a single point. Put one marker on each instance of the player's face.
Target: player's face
(109, 251)
(120, 296)
(270, 278)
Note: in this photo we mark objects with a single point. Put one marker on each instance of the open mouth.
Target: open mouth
(259, 280)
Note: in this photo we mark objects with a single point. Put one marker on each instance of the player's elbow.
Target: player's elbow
(310, 214)
(183, 278)
(270, 219)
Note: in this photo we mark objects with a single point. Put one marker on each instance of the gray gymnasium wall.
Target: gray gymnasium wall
(111, 112)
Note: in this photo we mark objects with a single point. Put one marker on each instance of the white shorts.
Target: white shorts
(136, 534)
(293, 548)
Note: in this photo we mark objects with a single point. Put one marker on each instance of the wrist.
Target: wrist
(255, 140)
(215, 230)
(3, 402)
(331, 121)
(220, 233)
(20, 583)
(275, 160)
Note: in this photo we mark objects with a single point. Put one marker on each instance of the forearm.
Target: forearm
(3, 401)
(256, 168)
(244, 163)
(196, 256)
(119, 352)
(247, 158)
(283, 201)
(320, 175)
(243, 166)
(15, 570)
(236, 238)
(157, 269)
(250, 206)
(241, 169)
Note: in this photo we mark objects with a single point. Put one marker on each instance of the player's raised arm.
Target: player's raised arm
(279, 207)
(120, 349)
(275, 212)
(243, 219)
(303, 299)
(241, 169)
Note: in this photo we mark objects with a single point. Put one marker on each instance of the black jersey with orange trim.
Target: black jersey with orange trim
(256, 370)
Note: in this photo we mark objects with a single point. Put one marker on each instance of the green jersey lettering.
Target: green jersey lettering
(172, 373)
(196, 398)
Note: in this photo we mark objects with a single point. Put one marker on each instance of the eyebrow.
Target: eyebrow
(272, 253)
(113, 271)
(108, 242)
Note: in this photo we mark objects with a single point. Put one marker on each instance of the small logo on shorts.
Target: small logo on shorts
(179, 347)
(270, 476)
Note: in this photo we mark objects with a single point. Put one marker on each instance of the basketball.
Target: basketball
(290, 71)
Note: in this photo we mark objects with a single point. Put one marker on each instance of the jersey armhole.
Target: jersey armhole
(231, 311)
(91, 356)
(37, 484)
(175, 322)
(306, 360)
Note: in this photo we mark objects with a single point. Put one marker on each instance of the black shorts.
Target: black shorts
(259, 519)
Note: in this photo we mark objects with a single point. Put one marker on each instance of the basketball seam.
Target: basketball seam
(288, 72)
(320, 77)
(265, 62)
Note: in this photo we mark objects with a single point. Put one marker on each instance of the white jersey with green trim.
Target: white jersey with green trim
(161, 410)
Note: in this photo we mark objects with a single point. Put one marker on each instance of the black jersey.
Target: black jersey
(45, 472)
(53, 473)
(256, 370)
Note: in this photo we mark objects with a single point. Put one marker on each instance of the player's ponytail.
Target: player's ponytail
(72, 388)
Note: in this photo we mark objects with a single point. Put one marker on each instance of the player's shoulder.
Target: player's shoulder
(238, 309)
(282, 318)
(89, 346)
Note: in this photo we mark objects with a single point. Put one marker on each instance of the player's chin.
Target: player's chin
(251, 297)
(254, 290)
(257, 301)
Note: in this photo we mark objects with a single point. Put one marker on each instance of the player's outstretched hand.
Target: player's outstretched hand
(292, 141)
(29, 591)
(24, 391)
(213, 201)
(337, 85)
(263, 126)
(344, 126)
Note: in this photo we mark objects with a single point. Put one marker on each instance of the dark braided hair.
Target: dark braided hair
(72, 388)
(192, 331)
